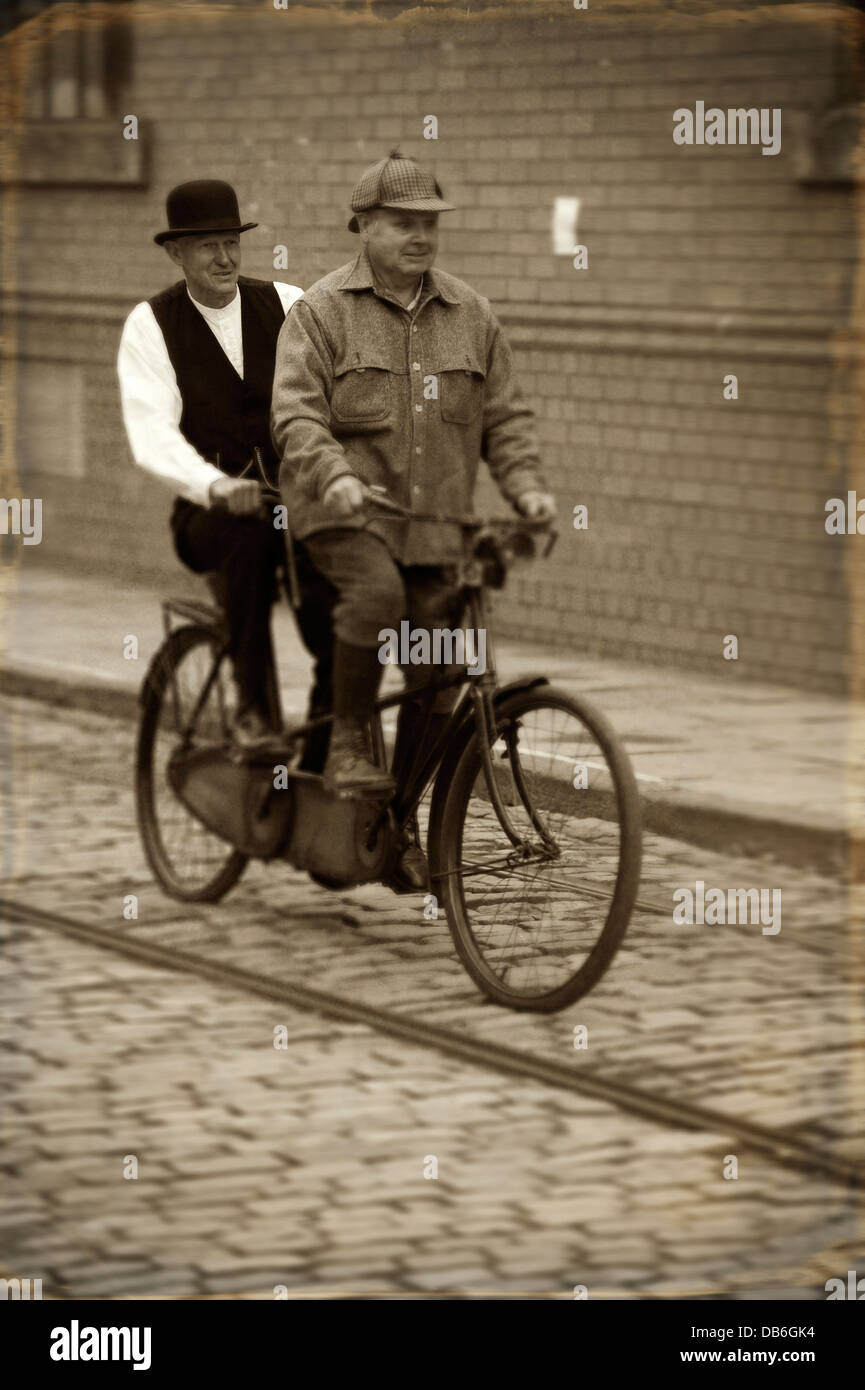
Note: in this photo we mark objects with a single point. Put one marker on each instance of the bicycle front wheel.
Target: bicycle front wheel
(538, 914)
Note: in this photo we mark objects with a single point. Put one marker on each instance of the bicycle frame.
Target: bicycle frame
(207, 617)
(479, 691)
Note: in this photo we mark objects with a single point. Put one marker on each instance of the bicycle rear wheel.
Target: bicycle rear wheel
(537, 922)
(190, 862)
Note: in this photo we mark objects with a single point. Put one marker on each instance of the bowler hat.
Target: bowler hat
(396, 182)
(205, 205)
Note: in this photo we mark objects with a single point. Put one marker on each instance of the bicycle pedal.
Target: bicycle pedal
(357, 793)
(259, 757)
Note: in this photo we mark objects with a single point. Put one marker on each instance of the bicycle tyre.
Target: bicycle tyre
(166, 663)
(446, 853)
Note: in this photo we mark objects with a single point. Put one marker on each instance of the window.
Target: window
(82, 63)
(71, 68)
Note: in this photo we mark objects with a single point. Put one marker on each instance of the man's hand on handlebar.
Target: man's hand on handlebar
(239, 496)
(345, 496)
(536, 506)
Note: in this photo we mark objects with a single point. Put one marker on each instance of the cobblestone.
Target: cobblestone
(311, 1159)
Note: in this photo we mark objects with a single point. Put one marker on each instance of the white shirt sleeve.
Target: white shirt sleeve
(152, 408)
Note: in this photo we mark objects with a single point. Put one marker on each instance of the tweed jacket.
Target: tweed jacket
(407, 400)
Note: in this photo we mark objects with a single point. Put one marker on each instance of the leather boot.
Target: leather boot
(349, 770)
(410, 873)
(317, 741)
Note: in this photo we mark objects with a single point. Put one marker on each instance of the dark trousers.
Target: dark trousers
(375, 592)
(247, 551)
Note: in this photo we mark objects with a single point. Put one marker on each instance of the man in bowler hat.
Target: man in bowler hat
(196, 371)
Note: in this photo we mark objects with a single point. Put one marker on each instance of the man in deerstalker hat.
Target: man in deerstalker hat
(394, 374)
(196, 370)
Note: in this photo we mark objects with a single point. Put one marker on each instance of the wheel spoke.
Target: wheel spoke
(528, 924)
(189, 859)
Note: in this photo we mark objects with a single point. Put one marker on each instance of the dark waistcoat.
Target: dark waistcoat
(224, 417)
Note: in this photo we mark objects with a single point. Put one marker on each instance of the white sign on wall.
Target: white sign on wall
(566, 213)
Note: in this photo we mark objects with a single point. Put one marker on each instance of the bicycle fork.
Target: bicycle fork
(482, 691)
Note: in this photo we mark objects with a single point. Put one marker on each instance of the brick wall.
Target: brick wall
(706, 516)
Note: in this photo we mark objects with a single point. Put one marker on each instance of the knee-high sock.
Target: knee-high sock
(357, 674)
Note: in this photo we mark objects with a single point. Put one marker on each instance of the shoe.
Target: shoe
(252, 735)
(348, 770)
(410, 873)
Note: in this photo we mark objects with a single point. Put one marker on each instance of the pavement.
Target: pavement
(719, 759)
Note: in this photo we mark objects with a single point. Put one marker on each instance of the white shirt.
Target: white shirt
(150, 397)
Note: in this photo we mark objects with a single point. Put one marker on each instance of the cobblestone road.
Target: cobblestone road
(305, 1167)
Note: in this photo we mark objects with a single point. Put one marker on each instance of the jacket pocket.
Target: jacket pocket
(461, 389)
(361, 395)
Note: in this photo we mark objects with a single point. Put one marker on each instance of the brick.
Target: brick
(529, 110)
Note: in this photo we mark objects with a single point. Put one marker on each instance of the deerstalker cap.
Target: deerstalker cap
(396, 182)
(204, 205)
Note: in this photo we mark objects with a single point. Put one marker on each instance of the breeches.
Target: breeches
(247, 551)
(374, 593)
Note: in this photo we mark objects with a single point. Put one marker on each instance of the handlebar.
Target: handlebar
(376, 494)
(499, 538)
(494, 538)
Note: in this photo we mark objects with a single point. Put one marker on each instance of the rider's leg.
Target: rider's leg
(371, 597)
(418, 729)
(317, 741)
(356, 678)
(314, 620)
(433, 602)
(246, 550)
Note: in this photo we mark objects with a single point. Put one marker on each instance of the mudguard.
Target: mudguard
(202, 621)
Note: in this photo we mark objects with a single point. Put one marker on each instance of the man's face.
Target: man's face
(402, 245)
(210, 265)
